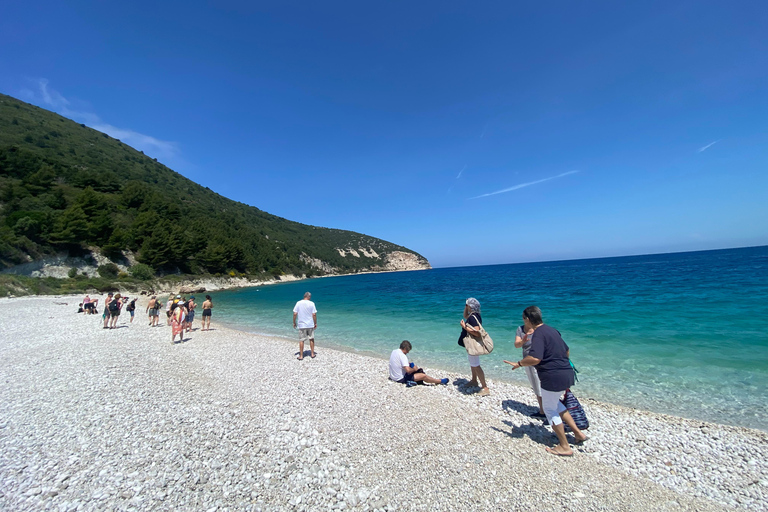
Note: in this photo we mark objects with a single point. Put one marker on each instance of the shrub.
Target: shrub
(142, 271)
(72, 273)
(108, 271)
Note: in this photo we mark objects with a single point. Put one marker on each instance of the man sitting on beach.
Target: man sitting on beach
(403, 372)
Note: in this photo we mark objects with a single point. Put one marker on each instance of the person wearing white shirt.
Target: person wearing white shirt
(305, 320)
(403, 372)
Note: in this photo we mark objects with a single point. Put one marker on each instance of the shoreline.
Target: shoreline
(502, 381)
(335, 422)
(160, 286)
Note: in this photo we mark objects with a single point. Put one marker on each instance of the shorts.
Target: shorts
(191, 316)
(306, 334)
(206, 312)
(88, 306)
(553, 407)
(474, 361)
(114, 313)
(152, 312)
(409, 377)
(131, 312)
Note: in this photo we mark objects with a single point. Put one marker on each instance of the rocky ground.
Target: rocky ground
(94, 419)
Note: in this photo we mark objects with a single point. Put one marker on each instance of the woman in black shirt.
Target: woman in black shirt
(550, 355)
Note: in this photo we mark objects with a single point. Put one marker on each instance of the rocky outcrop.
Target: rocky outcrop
(401, 260)
(59, 266)
(318, 264)
(209, 284)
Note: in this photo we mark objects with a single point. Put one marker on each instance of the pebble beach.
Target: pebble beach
(100, 419)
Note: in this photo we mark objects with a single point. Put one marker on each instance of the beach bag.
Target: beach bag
(577, 411)
(478, 346)
(113, 306)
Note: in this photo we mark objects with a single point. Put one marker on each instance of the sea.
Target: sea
(683, 334)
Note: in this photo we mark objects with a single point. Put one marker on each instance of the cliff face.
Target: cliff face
(391, 261)
(400, 260)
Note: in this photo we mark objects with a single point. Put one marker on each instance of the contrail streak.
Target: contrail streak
(523, 185)
(701, 150)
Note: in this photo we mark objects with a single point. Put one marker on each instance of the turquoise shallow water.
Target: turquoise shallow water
(684, 334)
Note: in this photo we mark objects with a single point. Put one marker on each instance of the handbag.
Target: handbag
(478, 346)
(575, 409)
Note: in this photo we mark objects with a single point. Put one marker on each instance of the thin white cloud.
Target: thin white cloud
(461, 171)
(50, 98)
(523, 185)
(703, 149)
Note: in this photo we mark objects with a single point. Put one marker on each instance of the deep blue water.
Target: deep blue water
(684, 334)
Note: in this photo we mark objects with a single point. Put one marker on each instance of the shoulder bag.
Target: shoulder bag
(480, 345)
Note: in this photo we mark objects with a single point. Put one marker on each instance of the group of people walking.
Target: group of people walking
(179, 312)
(112, 308)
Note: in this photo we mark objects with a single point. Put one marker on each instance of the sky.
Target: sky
(471, 132)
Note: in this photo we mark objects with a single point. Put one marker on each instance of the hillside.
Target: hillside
(67, 190)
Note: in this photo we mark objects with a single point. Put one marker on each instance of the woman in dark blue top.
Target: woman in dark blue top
(550, 355)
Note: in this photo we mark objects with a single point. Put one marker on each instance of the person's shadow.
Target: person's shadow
(461, 387)
(306, 353)
(534, 431)
(518, 407)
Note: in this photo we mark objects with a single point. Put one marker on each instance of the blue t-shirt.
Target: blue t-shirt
(555, 372)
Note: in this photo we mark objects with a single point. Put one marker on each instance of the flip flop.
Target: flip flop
(313, 356)
(580, 441)
(555, 452)
(300, 358)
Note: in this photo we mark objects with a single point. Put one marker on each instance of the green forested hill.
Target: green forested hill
(65, 187)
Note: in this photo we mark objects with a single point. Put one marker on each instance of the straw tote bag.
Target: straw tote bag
(478, 346)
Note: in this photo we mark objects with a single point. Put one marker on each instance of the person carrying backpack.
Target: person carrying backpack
(114, 310)
(131, 308)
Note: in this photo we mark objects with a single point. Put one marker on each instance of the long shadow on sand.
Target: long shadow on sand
(535, 432)
(519, 407)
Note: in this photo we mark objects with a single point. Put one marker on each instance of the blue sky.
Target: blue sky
(473, 133)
